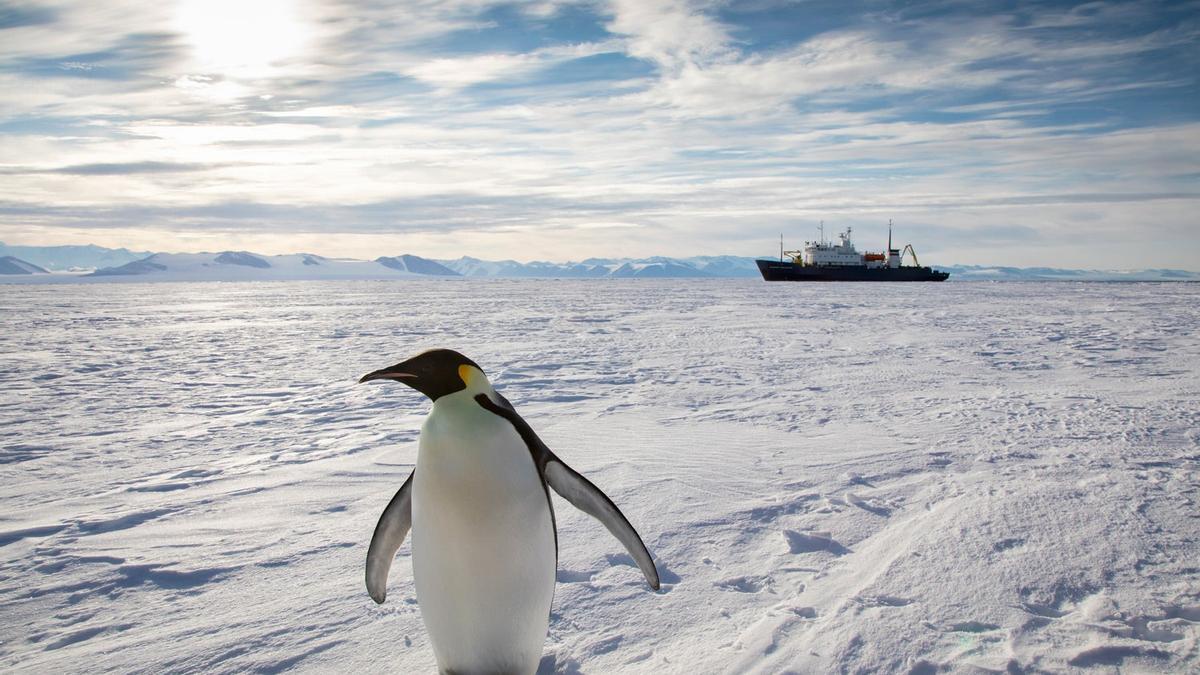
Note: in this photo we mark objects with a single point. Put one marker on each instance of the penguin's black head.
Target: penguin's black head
(435, 373)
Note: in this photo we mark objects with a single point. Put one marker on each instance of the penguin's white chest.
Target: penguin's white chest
(483, 542)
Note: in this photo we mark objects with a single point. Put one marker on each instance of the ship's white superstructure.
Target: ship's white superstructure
(823, 253)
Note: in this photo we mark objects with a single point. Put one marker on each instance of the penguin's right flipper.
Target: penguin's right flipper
(393, 526)
(573, 487)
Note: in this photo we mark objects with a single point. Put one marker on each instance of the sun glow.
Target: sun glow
(241, 38)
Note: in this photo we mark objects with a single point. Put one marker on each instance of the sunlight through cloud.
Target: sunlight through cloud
(242, 39)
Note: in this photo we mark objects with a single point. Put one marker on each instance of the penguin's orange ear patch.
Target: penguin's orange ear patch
(465, 373)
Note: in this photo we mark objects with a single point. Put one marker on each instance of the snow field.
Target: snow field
(834, 478)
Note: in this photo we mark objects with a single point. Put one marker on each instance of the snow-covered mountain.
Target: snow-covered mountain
(654, 267)
(656, 270)
(66, 258)
(416, 265)
(474, 267)
(725, 265)
(13, 265)
(246, 266)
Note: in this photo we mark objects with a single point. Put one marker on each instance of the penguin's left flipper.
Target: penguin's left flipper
(393, 526)
(588, 498)
(574, 488)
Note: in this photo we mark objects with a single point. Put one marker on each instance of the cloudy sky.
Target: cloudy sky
(1064, 134)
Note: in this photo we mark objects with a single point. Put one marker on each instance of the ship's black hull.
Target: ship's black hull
(774, 270)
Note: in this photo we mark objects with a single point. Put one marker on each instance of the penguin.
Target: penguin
(484, 540)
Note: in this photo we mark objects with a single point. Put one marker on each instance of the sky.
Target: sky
(1024, 134)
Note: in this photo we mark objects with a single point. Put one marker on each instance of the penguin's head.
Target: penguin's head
(435, 373)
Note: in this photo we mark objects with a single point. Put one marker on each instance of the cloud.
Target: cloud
(451, 74)
(430, 213)
(126, 168)
(511, 129)
(672, 33)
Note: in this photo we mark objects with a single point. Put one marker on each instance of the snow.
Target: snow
(833, 478)
(246, 266)
(979, 273)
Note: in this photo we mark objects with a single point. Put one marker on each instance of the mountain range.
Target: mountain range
(82, 263)
(72, 258)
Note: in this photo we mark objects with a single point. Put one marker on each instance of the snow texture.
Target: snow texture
(909, 478)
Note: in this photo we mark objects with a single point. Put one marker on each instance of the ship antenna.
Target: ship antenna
(780, 247)
(822, 228)
(889, 236)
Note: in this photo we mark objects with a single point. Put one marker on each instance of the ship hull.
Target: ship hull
(774, 270)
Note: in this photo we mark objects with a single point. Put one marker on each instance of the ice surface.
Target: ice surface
(833, 478)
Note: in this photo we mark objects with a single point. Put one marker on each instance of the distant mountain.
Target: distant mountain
(657, 269)
(474, 267)
(12, 265)
(725, 266)
(246, 266)
(244, 259)
(624, 268)
(135, 268)
(416, 265)
(66, 258)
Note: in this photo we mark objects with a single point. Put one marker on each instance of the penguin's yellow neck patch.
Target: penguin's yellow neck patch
(471, 376)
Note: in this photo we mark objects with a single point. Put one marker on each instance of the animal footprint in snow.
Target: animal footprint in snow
(1007, 544)
(743, 584)
(882, 601)
(972, 627)
(812, 542)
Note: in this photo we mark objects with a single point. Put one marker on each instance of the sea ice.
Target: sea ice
(834, 478)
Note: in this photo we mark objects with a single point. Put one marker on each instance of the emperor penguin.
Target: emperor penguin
(484, 542)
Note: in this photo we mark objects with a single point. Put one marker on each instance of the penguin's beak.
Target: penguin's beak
(386, 374)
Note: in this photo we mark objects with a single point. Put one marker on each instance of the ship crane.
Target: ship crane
(910, 250)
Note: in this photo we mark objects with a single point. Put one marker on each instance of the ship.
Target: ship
(828, 261)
